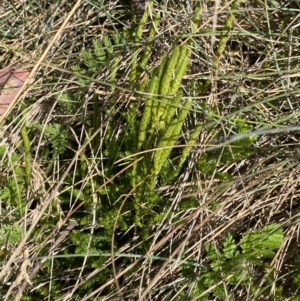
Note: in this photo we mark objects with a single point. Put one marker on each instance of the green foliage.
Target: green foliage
(94, 61)
(152, 32)
(228, 25)
(137, 36)
(145, 104)
(58, 137)
(234, 264)
(10, 234)
(159, 128)
(27, 155)
(261, 244)
(12, 181)
(296, 277)
(237, 150)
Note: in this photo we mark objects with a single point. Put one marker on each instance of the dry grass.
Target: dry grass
(257, 78)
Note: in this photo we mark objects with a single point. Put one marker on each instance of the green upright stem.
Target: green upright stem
(27, 157)
(222, 44)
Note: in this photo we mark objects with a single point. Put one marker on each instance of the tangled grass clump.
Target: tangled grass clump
(151, 158)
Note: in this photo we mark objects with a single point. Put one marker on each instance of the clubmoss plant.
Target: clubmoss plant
(138, 33)
(223, 40)
(165, 111)
(28, 158)
(146, 158)
(159, 126)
